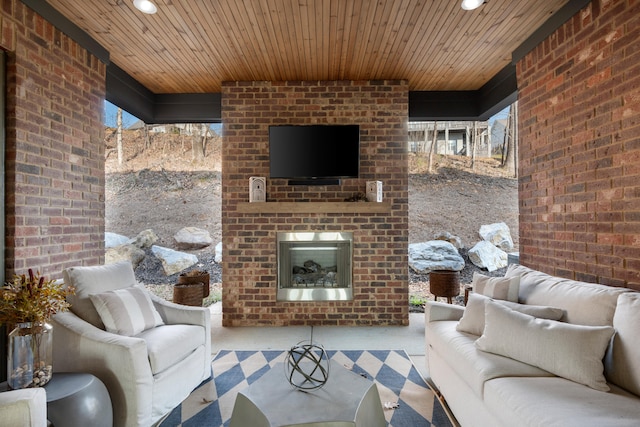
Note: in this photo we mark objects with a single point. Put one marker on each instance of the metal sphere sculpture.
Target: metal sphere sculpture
(307, 366)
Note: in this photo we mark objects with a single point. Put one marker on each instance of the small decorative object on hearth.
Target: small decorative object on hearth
(257, 189)
(358, 197)
(27, 304)
(374, 191)
(307, 366)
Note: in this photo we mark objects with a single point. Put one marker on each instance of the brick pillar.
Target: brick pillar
(579, 152)
(54, 147)
(380, 265)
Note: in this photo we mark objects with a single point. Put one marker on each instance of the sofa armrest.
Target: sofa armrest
(120, 362)
(172, 313)
(436, 311)
(26, 407)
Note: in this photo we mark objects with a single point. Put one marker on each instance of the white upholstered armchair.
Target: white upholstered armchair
(149, 353)
(25, 408)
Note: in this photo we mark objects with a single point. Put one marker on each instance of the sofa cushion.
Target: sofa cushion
(473, 366)
(622, 365)
(504, 288)
(472, 320)
(169, 344)
(93, 280)
(557, 402)
(584, 303)
(573, 352)
(127, 311)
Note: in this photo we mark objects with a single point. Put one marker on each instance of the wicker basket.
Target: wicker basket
(201, 278)
(444, 283)
(188, 293)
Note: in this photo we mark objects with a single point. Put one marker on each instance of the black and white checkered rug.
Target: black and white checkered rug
(398, 382)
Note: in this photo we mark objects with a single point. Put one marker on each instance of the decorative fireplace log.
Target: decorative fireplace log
(314, 266)
(313, 274)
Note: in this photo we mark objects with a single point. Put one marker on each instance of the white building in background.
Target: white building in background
(175, 128)
(453, 137)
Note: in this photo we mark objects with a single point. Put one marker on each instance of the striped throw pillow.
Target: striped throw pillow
(504, 288)
(126, 311)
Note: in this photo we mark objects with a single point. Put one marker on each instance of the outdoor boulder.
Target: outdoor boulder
(485, 255)
(192, 238)
(434, 255)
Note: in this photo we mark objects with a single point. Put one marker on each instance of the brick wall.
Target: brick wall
(579, 123)
(380, 239)
(55, 152)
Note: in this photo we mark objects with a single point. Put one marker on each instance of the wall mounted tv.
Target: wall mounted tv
(314, 154)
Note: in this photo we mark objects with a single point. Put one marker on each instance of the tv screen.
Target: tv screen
(314, 151)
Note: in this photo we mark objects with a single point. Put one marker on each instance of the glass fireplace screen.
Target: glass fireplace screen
(315, 266)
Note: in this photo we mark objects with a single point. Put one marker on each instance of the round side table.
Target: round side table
(445, 283)
(76, 400)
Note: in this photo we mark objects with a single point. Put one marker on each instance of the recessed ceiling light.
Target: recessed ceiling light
(145, 6)
(471, 4)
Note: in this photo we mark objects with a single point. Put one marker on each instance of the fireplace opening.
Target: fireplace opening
(315, 266)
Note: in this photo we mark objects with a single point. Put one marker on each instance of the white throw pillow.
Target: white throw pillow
(472, 320)
(127, 311)
(95, 279)
(624, 365)
(504, 288)
(570, 351)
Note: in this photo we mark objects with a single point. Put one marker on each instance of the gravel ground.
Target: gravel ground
(150, 272)
(161, 187)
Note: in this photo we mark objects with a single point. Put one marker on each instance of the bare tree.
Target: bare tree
(147, 136)
(505, 139)
(119, 137)
(432, 149)
(510, 160)
(422, 145)
(474, 136)
(199, 141)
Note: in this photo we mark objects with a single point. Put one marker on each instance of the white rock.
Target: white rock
(434, 255)
(485, 255)
(145, 239)
(498, 234)
(124, 252)
(173, 261)
(192, 238)
(218, 253)
(448, 237)
(113, 239)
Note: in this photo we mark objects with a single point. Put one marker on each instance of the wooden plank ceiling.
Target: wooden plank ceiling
(191, 46)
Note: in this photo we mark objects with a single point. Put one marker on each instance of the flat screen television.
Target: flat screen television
(314, 154)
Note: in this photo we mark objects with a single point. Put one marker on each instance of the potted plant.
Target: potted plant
(26, 305)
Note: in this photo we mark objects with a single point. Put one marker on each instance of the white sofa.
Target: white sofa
(486, 388)
(25, 408)
(147, 373)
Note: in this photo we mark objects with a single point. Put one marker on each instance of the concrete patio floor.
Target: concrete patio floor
(409, 338)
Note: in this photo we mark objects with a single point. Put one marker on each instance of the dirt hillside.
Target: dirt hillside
(161, 187)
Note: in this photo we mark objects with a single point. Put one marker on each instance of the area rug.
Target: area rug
(406, 398)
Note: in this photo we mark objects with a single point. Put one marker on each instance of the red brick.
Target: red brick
(593, 177)
(36, 46)
(378, 238)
